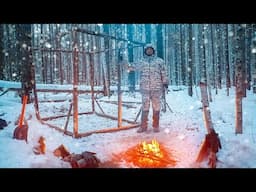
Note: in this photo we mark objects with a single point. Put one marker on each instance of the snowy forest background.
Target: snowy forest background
(58, 60)
(188, 49)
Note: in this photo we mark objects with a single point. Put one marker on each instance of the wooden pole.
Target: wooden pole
(206, 111)
(91, 57)
(120, 58)
(75, 85)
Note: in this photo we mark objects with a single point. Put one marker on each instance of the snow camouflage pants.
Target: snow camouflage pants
(154, 97)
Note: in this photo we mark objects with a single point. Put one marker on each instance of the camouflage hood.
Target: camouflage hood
(149, 45)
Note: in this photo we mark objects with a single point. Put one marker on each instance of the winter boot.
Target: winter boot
(144, 122)
(156, 121)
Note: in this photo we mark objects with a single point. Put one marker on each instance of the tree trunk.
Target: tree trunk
(233, 43)
(219, 55)
(182, 55)
(148, 33)
(239, 50)
(213, 76)
(107, 58)
(25, 48)
(206, 110)
(1, 52)
(203, 64)
(248, 50)
(190, 61)
(226, 55)
(75, 84)
(160, 46)
(58, 57)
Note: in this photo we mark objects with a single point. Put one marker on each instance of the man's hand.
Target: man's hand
(165, 85)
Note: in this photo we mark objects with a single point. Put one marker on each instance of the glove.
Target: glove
(165, 85)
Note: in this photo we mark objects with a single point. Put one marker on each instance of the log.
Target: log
(108, 130)
(61, 151)
(85, 160)
(115, 103)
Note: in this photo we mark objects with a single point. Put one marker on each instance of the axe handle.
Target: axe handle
(25, 98)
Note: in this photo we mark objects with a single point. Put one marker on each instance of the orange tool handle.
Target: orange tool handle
(25, 99)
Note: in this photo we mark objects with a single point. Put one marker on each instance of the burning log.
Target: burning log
(148, 155)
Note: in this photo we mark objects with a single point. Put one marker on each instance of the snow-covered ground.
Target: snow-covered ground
(182, 131)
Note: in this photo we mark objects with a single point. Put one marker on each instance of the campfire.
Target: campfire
(149, 155)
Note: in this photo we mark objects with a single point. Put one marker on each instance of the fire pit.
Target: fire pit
(149, 155)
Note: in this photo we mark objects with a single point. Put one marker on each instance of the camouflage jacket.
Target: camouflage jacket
(152, 73)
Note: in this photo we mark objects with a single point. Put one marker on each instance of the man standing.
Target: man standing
(153, 79)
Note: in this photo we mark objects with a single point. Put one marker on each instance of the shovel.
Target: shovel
(21, 131)
(209, 148)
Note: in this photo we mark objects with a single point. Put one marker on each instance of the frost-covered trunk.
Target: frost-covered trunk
(226, 58)
(25, 50)
(148, 33)
(190, 60)
(203, 56)
(239, 50)
(99, 63)
(200, 55)
(219, 55)
(233, 53)
(12, 53)
(91, 58)
(253, 60)
(160, 46)
(58, 56)
(171, 53)
(107, 58)
(213, 73)
(1, 53)
(119, 61)
(43, 56)
(248, 40)
(182, 55)
(206, 111)
(84, 61)
(207, 58)
(177, 55)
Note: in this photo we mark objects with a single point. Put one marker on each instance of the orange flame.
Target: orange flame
(149, 155)
(152, 148)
